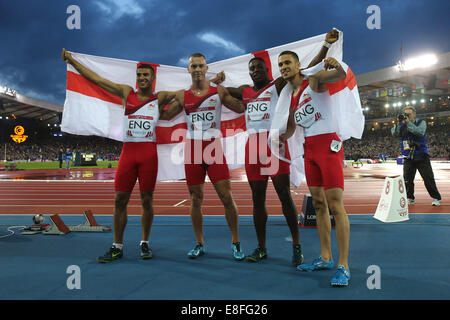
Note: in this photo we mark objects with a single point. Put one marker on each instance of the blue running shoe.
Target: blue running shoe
(198, 251)
(238, 254)
(341, 277)
(317, 264)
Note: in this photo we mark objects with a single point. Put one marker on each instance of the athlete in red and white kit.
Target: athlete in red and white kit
(139, 157)
(312, 110)
(203, 150)
(260, 101)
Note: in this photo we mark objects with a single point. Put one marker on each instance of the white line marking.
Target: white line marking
(179, 203)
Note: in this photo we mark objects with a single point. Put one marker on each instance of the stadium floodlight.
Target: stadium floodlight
(423, 61)
(399, 104)
(422, 100)
(386, 105)
(413, 102)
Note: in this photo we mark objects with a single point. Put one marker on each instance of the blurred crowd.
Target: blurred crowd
(375, 144)
(435, 105)
(48, 149)
(380, 143)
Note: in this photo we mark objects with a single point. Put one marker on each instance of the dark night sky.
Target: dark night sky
(166, 32)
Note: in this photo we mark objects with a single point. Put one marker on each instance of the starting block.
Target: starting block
(308, 214)
(57, 226)
(90, 225)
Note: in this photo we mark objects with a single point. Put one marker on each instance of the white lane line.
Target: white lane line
(179, 203)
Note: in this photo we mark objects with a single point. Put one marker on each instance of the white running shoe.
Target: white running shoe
(436, 202)
(411, 201)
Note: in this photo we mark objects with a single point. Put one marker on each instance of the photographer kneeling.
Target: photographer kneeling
(416, 154)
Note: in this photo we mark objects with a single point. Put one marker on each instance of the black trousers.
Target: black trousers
(424, 166)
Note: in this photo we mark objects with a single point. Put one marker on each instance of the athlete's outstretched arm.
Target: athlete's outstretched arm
(327, 76)
(331, 37)
(229, 101)
(119, 90)
(237, 92)
(164, 97)
(219, 78)
(171, 104)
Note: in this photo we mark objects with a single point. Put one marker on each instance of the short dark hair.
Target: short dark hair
(146, 66)
(292, 53)
(197, 55)
(257, 58)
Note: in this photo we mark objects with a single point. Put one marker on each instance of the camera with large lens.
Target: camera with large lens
(413, 147)
(402, 116)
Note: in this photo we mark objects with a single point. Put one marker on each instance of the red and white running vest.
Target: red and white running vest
(313, 111)
(260, 106)
(140, 119)
(203, 114)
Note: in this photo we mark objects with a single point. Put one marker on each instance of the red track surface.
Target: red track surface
(72, 192)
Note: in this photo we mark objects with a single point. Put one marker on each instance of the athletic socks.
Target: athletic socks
(118, 246)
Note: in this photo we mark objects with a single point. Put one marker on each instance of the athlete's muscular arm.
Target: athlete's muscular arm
(219, 78)
(229, 101)
(164, 97)
(119, 90)
(331, 37)
(279, 84)
(237, 92)
(169, 111)
(317, 81)
(290, 128)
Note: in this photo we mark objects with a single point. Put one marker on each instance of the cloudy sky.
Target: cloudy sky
(32, 33)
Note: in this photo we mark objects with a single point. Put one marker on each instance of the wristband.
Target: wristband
(326, 44)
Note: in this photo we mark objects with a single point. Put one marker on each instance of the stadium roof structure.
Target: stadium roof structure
(13, 104)
(395, 88)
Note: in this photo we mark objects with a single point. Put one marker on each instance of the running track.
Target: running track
(72, 192)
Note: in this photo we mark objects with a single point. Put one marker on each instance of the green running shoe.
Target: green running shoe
(112, 254)
(257, 255)
(198, 251)
(146, 252)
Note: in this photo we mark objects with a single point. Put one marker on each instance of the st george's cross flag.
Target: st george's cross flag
(90, 110)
